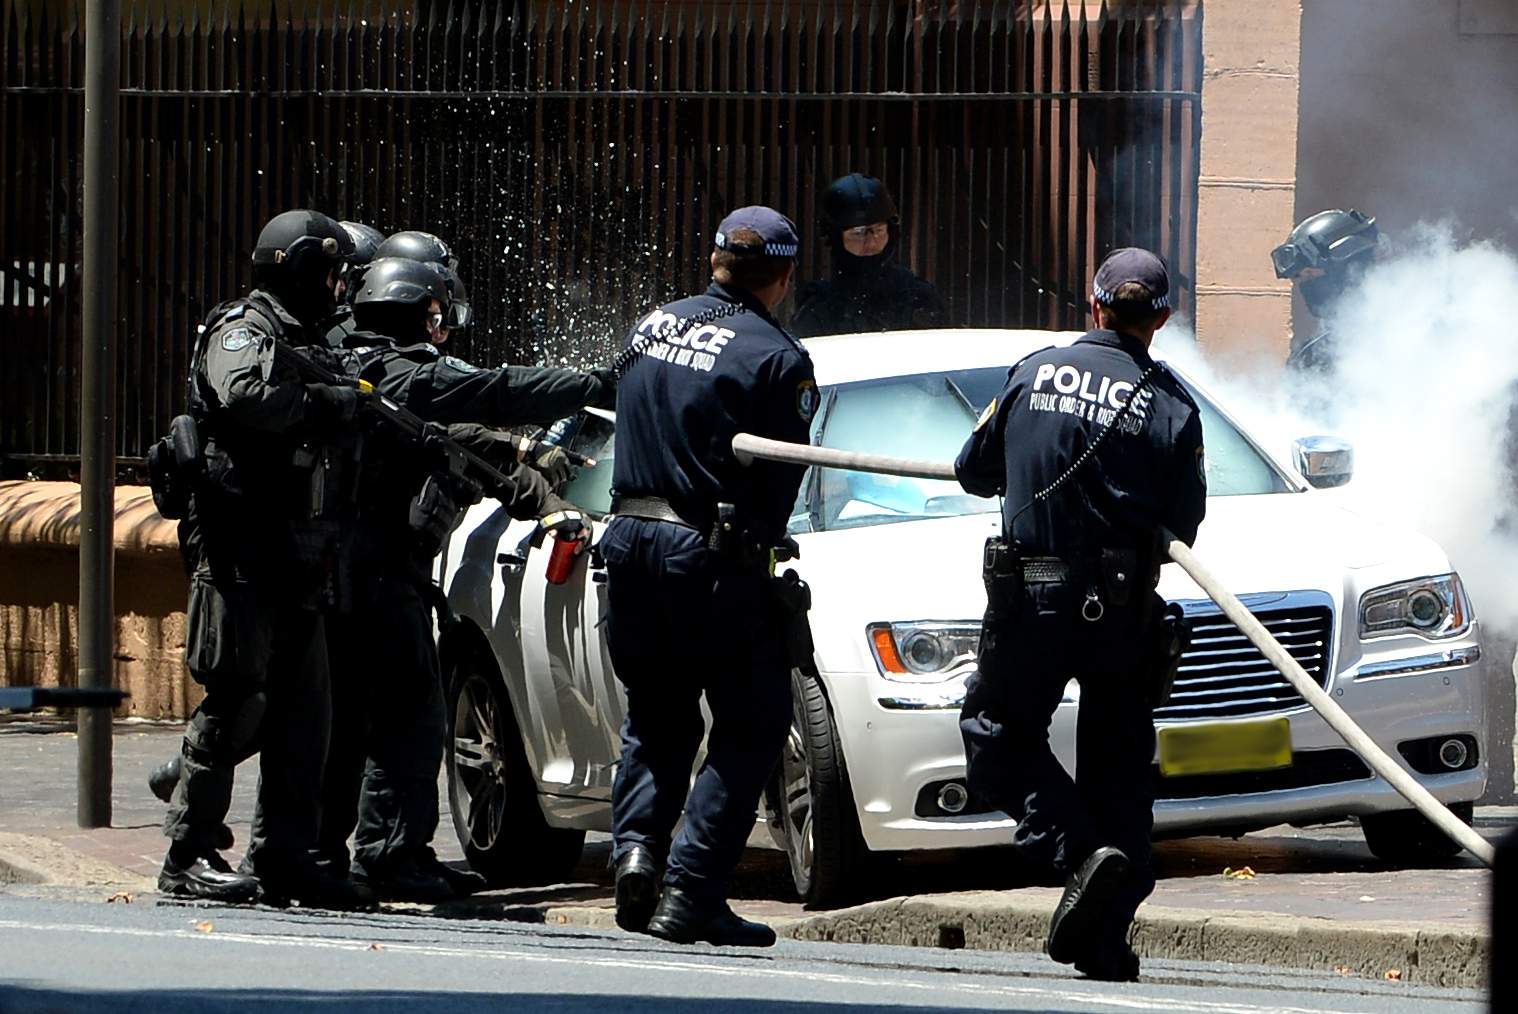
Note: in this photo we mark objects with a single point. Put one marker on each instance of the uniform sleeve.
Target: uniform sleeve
(790, 401)
(510, 396)
(981, 467)
(1190, 504)
(234, 366)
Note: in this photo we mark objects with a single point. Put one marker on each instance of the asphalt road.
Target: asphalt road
(77, 955)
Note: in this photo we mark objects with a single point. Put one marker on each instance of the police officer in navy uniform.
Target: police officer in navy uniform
(366, 240)
(387, 681)
(687, 557)
(1095, 448)
(262, 570)
(1324, 255)
(867, 289)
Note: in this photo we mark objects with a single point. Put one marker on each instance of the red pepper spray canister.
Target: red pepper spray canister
(562, 560)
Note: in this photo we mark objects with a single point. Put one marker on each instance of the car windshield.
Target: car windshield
(929, 415)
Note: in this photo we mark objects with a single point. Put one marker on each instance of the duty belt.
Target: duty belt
(1044, 570)
(650, 508)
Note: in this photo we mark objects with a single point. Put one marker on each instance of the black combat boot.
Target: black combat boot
(302, 882)
(1083, 907)
(638, 875)
(1109, 961)
(189, 873)
(405, 880)
(463, 883)
(680, 919)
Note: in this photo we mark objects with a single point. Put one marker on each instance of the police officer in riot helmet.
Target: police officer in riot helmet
(692, 534)
(262, 552)
(868, 290)
(1324, 255)
(387, 681)
(1095, 447)
(366, 239)
(424, 246)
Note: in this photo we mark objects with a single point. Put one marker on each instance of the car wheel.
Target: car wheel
(491, 790)
(812, 805)
(1406, 837)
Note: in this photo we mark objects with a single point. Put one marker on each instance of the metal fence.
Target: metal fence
(578, 155)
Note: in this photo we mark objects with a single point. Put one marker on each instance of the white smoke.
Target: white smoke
(1426, 391)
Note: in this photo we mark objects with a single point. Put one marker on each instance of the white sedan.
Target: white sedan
(875, 763)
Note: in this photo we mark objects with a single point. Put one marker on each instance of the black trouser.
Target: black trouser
(1030, 647)
(387, 729)
(263, 663)
(683, 624)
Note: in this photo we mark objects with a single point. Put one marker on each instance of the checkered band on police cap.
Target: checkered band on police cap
(778, 233)
(1132, 264)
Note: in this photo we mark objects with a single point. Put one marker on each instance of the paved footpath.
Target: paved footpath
(1317, 899)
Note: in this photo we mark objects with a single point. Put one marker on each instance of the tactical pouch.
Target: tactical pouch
(1171, 639)
(223, 638)
(731, 543)
(434, 515)
(1119, 571)
(793, 600)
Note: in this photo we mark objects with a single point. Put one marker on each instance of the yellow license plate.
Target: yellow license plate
(1223, 747)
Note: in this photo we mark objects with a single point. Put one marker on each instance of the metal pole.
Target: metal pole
(97, 408)
(747, 447)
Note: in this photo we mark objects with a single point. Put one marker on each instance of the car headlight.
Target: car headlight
(924, 651)
(1434, 607)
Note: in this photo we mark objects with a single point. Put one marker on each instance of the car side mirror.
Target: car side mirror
(1325, 462)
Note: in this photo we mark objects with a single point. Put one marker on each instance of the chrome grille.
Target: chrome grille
(1223, 675)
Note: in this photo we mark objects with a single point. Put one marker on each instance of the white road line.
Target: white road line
(749, 970)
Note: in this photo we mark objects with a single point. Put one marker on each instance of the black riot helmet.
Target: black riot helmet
(366, 240)
(1323, 253)
(295, 258)
(856, 199)
(396, 297)
(424, 246)
(417, 246)
(852, 201)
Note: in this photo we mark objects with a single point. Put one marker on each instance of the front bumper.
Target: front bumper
(898, 738)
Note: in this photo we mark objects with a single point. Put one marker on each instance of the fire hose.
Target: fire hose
(748, 447)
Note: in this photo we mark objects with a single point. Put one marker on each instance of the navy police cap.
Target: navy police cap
(777, 233)
(1132, 264)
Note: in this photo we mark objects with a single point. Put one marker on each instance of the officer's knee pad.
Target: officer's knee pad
(224, 732)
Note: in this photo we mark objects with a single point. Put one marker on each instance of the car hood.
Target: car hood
(930, 569)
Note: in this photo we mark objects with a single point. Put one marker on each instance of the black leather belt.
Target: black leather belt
(650, 508)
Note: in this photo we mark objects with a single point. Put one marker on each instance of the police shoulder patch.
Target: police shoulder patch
(806, 399)
(237, 338)
(987, 415)
(455, 363)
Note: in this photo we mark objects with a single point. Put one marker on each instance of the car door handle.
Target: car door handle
(598, 576)
(511, 561)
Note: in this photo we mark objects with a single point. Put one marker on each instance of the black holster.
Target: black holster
(1002, 570)
(175, 465)
(731, 542)
(793, 600)
(1171, 638)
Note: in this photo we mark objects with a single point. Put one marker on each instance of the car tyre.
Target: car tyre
(1408, 838)
(491, 790)
(812, 815)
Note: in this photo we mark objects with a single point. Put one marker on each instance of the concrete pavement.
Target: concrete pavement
(1318, 900)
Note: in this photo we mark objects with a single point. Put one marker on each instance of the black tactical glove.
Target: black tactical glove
(566, 523)
(549, 459)
(607, 397)
(332, 404)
